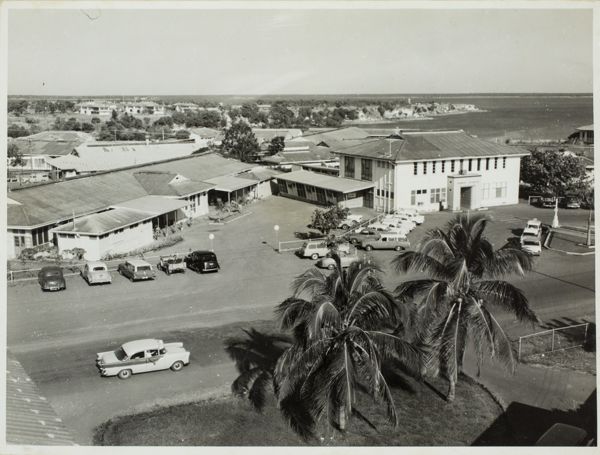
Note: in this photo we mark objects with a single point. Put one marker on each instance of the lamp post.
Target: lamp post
(555, 222)
(211, 237)
(276, 229)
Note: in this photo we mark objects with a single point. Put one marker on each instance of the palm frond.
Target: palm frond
(243, 382)
(416, 261)
(504, 294)
(507, 261)
(312, 282)
(292, 311)
(258, 391)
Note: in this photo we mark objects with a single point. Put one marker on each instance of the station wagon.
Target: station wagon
(137, 269)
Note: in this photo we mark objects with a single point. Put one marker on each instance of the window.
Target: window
(485, 192)
(301, 191)
(283, 186)
(503, 162)
(321, 195)
(460, 166)
(433, 167)
(470, 164)
(487, 164)
(415, 171)
(437, 195)
(366, 169)
(424, 167)
(451, 166)
(478, 164)
(443, 167)
(500, 190)
(349, 166)
(413, 197)
(496, 163)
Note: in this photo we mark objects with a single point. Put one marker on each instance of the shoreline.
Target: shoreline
(410, 119)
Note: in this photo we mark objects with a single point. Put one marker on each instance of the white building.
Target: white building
(434, 170)
(144, 108)
(97, 108)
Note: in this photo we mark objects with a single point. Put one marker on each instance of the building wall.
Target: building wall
(263, 190)
(90, 244)
(197, 205)
(498, 186)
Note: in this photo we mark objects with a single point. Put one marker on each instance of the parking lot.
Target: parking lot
(56, 335)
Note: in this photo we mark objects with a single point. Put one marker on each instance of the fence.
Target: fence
(71, 269)
(558, 339)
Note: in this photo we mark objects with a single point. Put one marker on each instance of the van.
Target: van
(313, 249)
(386, 241)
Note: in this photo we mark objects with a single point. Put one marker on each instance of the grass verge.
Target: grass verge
(425, 418)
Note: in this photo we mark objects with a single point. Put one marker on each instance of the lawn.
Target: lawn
(577, 359)
(425, 418)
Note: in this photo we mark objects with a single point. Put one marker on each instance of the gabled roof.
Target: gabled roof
(152, 204)
(229, 183)
(103, 222)
(429, 145)
(163, 184)
(267, 134)
(313, 154)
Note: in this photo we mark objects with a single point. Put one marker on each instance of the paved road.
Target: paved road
(56, 335)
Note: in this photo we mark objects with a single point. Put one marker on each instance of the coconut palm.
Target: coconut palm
(452, 304)
(255, 357)
(342, 324)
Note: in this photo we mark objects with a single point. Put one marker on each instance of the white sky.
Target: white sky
(176, 52)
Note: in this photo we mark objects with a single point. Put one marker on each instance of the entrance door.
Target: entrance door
(465, 197)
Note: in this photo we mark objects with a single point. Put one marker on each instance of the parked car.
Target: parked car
(386, 241)
(313, 249)
(51, 278)
(361, 234)
(202, 261)
(350, 221)
(397, 219)
(136, 269)
(413, 214)
(533, 227)
(96, 273)
(572, 203)
(141, 356)
(346, 259)
(171, 264)
(548, 202)
(532, 244)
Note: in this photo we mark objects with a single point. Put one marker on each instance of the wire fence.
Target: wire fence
(552, 340)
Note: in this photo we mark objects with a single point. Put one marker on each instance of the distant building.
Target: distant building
(584, 135)
(297, 153)
(186, 107)
(37, 149)
(98, 108)
(144, 108)
(266, 135)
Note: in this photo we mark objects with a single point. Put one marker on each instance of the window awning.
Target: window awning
(228, 183)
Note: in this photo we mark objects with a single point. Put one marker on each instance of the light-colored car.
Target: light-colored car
(532, 244)
(401, 218)
(141, 356)
(95, 272)
(399, 223)
(386, 241)
(350, 221)
(313, 249)
(137, 269)
(413, 214)
(171, 264)
(346, 259)
(573, 203)
(533, 227)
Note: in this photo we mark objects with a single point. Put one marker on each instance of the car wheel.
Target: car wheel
(124, 374)
(368, 248)
(353, 241)
(331, 266)
(177, 366)
(314, 256)
(345, 226)
(398, 248)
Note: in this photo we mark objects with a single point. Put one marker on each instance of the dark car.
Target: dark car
(362, 234)
(202, 261)
(51, 278)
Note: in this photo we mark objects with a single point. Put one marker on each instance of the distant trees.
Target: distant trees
(72, 124)
(203, 118)
(554, 172)
(182, 134)
(281, 116)
(17, 107)
(240, 142)
(15, 130)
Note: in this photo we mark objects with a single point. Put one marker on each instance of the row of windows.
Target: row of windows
(366, 167)
(471, 164)
(436, 195)
(496, 190)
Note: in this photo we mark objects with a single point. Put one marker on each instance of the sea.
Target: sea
(517, 117)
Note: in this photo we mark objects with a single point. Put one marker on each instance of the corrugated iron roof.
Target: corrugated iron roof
(230, 183)
(161, 184)
(30, 419)
(152, 204)
(52, 143)
(103, 222)
(327, 182)
(429, 145)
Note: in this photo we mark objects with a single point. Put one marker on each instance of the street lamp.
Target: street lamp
(211, 237)
(555, 222)
(276, 229)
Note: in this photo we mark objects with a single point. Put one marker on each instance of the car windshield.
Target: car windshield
(144, 268)
(52, 273)
(99, 269)
(120, 354)
(173, 260)
(207, 257)
(531, 242)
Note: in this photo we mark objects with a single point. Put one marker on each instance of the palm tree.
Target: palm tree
(255, 357)
(342, 324)
(452, 304)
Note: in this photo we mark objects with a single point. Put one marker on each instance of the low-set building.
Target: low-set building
(144, 108)
(99, 108)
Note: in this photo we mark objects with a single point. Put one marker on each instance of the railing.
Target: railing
(558, 339)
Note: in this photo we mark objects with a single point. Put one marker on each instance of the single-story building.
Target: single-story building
(297, 153)
(583, 135)
(100, 108)
(324, 189)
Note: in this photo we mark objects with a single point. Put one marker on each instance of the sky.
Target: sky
(261, 52)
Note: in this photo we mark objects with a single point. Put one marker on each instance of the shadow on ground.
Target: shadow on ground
(523, 425)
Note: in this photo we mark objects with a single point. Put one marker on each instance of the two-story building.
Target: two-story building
(144, 108)
(425, 170)
(99, 108)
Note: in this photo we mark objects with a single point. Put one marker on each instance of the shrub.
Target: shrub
(157, 245)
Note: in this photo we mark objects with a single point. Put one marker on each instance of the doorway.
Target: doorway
(465, 197)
